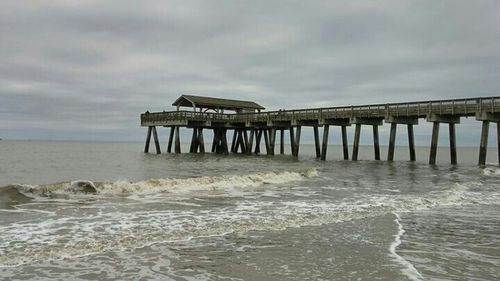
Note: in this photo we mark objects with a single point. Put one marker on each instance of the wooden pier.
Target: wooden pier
(249, 125)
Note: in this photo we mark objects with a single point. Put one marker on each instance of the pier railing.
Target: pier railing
(455, 107)
(249, 126)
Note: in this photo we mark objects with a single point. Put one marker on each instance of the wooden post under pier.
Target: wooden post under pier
(316, 141)
(177, 140)
(194, 141)
(266, 141)
(375, 122)
(498, 141)
(148, 139)
(434, 143)
(157, 141)
(392, 142)
(411, 142)
(486, 110)
(453, 145)
(282, 141)
(224, 141)
(345, 144)
(233, 142)
(220, 141)
(258, 137)
(250, 142)
(201, 142)
(376, 146)
(297, 140)
(272, 139)
(487, 118)
(394, 121)
(214, 145)
(324, 148)
(483, 146)
(171, 139)
(292, 141)
(355, 149)
(436, 119)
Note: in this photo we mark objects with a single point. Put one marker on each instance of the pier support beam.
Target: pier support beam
(345, 144)
(224, 141)
(170, 139)
(194, 141)
(152, 130)
(148, 139)
(272, 139)
(241, 140)
(355, 149)
(214, 141)
(177, 140)
(236, 137)
(453, 144)
(326, 129)
(411, 142)
(395, 121)
(282, 141)
(233, 142)
(250, 142)
(436, 120)
(297, 141)
(292, 141)
(483, 146)
(157, 141)
(486, 118)
(316, 141)
(267, 142)
(375, 122)
(342, 123)
(392, 142)
(220, 142)
(258, 137)
(245, 140)
(434, 143)
(201, 141)
(376, 146)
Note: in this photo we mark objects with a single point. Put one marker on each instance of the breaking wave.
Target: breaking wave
(491, 171)
(177, 185)
(73, 236)
(408, 269)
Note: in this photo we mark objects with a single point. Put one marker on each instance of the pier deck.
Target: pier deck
(257, 124)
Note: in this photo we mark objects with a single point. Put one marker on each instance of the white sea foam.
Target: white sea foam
(408, 269)
(202, 183)
(69, 236)
(177, 185)
(491, 171)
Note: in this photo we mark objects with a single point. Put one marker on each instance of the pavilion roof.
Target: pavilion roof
(215, 103)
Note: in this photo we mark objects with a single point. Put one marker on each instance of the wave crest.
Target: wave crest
(166, 184)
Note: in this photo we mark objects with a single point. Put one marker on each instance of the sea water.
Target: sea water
(237, 217)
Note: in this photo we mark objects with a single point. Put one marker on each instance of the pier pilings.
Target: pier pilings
(248, 128)
(486, 118)
(343, 123)
(152, 130)
(374, 122)
(437, 119)
(409, 122)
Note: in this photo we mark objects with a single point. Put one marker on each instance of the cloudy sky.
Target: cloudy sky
(87, 69)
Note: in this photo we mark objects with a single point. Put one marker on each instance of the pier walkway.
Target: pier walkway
(249, 124)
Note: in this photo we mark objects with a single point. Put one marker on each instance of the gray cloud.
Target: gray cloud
(86, 69)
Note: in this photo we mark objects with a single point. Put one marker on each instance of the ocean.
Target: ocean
(107, 211)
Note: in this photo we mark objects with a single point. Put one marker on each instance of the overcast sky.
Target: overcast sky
(87, 69)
